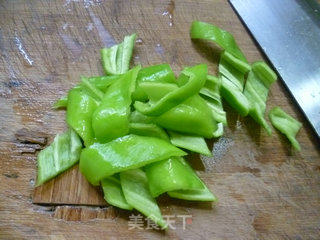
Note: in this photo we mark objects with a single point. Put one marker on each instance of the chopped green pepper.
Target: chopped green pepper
(102, 82)
(62, 154)
(190, 81)
(136, 191)
(102, 160)
(211, 93)
(81, 106)
(286, 125)
(224, 39)
(203, 194)
(148, 129)
(116, 59)
(161, 73)
(193, 116)
(137, 117)
(98, 94)
(219, 131)
(113, 193)
(170, 175)
(61, 103)
(111, 119)
(189, 142)
(256, 91)
(232, 83)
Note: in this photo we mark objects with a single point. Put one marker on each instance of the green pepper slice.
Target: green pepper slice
(206, 31)
(190, 81)
(62, 154)
(129, 152)
(161, 73)
(116, 59)
(113, 193)
(111, 119)
(136, 191)
(256, 91)
(286, 125)
(190, 142)
(170, 175)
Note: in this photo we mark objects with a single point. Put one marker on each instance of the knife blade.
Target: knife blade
(288, 31)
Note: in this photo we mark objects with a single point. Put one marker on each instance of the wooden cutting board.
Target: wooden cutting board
(265, 190)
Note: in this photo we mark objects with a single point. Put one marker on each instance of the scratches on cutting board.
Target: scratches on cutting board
(23, 51)
(105, 37)
(73, 45)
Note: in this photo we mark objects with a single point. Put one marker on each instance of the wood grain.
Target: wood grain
(265, 190)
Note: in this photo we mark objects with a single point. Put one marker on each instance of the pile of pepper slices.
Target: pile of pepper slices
(133, 122)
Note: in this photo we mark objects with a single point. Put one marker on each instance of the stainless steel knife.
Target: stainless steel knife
(288, 32)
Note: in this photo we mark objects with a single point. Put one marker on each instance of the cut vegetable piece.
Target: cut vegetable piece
(234, 96)
(239, 65)
(137, 117)
(161, 73)
(256, 91)
(136, 191)
(189, 142)
(95, 84)
(148, 129)
(211, 93)
(61, 103)
(286, 125)
(113, 193)
(81, 106)
(193, 116)
(62, 154)
(129, 152)
(111, 119)
(170, 175)
(190, 81)
(116, 59)
(91, 88)
(206, 31)
(194, 195)
(155, 91)
(232, 83)
(102, 82)
(219, 131)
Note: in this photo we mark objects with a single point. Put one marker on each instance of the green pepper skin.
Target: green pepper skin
(62, 154)
(148, 129)
(129, 152)
(202, 195)
(234, 97)
(190, 142)
(256, 90)
(170, 175)
(206, 31)
(111, 118)
(102, 82)
(113, 193)
(211, 93)
(136, 191)
(116, 59)
(61, 103)
(286, 125)
(81, 106)
(161, 73)
(193, 116)
(232, 75)
(190, 81)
